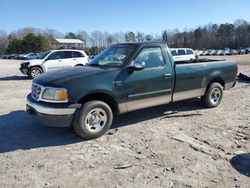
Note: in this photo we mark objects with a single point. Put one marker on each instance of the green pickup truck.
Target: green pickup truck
(123, 78)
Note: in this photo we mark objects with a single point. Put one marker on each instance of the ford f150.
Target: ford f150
(123, 78)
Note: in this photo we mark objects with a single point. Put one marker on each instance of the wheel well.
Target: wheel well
(36, 66)
(78, 65)
(101, 97)
(218, 80)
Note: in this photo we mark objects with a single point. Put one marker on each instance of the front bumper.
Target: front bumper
(48, 114)
(24, 70)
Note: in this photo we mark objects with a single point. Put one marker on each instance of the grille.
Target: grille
(36, 91)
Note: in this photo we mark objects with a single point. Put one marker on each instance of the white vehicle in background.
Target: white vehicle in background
(182, 54)
(54, 60)
(198, 52)
(220, 52)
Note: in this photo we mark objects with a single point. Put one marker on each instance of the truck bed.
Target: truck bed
(197, 61)
(192, 79)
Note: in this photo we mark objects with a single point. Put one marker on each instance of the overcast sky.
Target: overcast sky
(119, 15)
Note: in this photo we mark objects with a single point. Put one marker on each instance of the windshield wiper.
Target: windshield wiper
(113, 65)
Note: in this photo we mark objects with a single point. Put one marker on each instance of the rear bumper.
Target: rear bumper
(56, 115)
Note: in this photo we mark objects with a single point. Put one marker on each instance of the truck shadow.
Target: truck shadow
(241, 163)
(19, 131)
(243, 81)
(174, 110)
(14, 78)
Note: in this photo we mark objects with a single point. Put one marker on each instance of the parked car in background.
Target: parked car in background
(207, 52)
(18, 56)
(92, 57)
(182, 54)
(54, 60)
(4, 56)
(233, 52)
(230, 52)
(11, 56)
(213, 52)
(198, 52)
(30, 56)
(21, 56)
(220, 52)
(247, 50)
(227, 52)
(40, 54)
(241, 51)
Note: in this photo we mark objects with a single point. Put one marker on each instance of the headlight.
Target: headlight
(55, 94)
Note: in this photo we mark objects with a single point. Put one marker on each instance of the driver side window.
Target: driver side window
(151, 56)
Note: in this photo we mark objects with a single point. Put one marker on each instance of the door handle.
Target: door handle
(59, 60)
(118, 83)
(167, 76)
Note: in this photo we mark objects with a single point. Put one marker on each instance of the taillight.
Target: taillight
(237, 70)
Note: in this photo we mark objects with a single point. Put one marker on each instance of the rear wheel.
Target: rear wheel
(34, 71)
(93, 120)
(213, 95)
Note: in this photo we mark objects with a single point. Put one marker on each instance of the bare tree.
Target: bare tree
(85, 38)
(3, 42)
(140, 36)
(130, 36)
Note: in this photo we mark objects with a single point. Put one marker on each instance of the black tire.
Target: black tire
(84, 118)
(34, 71)
(213, 95)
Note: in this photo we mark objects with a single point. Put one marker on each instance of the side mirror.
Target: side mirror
(138, 65)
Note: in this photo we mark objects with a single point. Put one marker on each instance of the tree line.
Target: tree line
(216, 36)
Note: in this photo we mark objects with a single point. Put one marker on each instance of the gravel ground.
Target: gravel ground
(177, 145)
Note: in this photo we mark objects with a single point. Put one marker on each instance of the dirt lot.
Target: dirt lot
(177, 145)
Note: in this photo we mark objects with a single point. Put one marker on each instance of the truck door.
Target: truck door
(153, 85)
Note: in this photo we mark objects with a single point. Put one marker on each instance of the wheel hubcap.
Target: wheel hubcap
(35, 72)
(215, 96)
(96, 120)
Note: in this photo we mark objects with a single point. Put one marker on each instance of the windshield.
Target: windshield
(114, 56)
(44, 55)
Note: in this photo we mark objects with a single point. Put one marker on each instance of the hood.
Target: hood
(33, 62)
(56, 78)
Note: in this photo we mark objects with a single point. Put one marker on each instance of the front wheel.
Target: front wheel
(93, 120)
(213, 95)
(34, 71)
